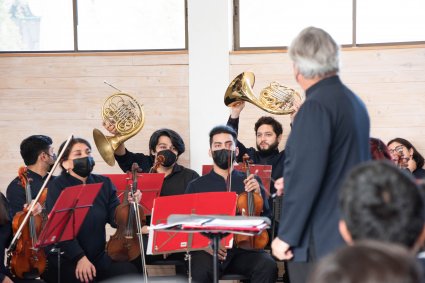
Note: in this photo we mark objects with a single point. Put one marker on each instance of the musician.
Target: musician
(5, 238)
(405, 155)
(268, 133)
(165, 142)
(329, 136)
(258, 265)
(84, 259)
(37, 153)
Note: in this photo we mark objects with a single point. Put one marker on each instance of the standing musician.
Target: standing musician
(84, 259)
(38, 156)
(256, 264)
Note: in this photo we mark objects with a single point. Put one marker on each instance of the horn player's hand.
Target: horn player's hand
(110, 127)
(236, 109)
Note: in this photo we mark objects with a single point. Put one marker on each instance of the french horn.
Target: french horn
(275, 98)
(126, 114)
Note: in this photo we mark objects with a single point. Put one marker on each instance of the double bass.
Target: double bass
(250, 204)
(26, 261)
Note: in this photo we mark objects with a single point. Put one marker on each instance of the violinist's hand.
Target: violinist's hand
(145, 229)
(36, 210)
(110, 127)
(251, 184)
(279, 185)
(236, 109)
(137, 197)
(7, 280)
(281, 250)
(222, 253)
(85, 270)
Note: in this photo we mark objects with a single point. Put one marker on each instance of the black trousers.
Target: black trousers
(259, 266)
(67, 270)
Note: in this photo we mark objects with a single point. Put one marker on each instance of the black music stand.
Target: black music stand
(215, 227)
(67, 216)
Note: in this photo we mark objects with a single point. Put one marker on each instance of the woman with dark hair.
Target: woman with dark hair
(378, 149)
(84, 259)
(405, 155)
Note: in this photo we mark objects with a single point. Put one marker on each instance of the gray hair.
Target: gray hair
(314, 53)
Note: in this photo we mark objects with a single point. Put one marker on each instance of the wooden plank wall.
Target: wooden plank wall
(62, 94)
(59, 95)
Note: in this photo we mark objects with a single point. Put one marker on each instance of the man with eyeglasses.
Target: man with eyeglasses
(38, 156)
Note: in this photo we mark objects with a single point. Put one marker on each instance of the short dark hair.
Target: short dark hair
(416, 155)
(67, 151)
(175, 138)
(368, 262)
(378, 149)
(378, 201)
(32, 146)
(221, 129)
(267, 120)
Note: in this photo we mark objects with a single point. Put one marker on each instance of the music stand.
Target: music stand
(215, 227)
(71, 206)
(149, 184)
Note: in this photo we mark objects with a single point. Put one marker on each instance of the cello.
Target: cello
(26, 261)
(250, 204)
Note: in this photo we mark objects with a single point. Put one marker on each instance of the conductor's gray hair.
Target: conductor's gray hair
(314, 53)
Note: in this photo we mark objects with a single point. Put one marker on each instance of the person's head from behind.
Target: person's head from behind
(368, 262)
(380, 202)
(378, 149)
(268, 132)
(314, 54)
(223, 148)
(167, 143)
(37, 148)
(77, 159)
(400, 148)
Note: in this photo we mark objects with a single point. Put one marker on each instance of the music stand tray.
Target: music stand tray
(215, 227)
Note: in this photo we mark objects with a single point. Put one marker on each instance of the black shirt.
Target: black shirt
(174, 184)
(274, 158)
(213, 182)
(419, 173)
(91, 238)
(16, 192)
(5, 238)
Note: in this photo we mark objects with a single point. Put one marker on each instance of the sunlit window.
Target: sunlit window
(34, 25)
(131, 24)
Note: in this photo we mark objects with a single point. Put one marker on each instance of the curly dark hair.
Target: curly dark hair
(267, 120)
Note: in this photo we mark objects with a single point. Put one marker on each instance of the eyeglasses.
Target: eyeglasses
(53, 156)
(398, 149)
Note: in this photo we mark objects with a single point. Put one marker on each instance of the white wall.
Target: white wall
(209, 30)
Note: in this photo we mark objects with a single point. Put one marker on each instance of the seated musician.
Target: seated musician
(84, 259)
(38, 156)
(256, 264)
(171, 146)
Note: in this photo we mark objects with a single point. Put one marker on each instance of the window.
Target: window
(274, 23)
(98, 25)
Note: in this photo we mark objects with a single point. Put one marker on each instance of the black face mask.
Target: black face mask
(221, 158)
(83, 166)
(169, 157)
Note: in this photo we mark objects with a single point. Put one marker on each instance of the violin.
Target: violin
(250, 204)
(124, 245)
(26, 261)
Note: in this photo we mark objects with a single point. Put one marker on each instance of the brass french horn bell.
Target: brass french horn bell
(126, 114)
(275, 98)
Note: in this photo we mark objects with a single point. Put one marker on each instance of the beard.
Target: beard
(269, 150)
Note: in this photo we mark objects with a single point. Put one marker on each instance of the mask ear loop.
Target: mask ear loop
(230, 170)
